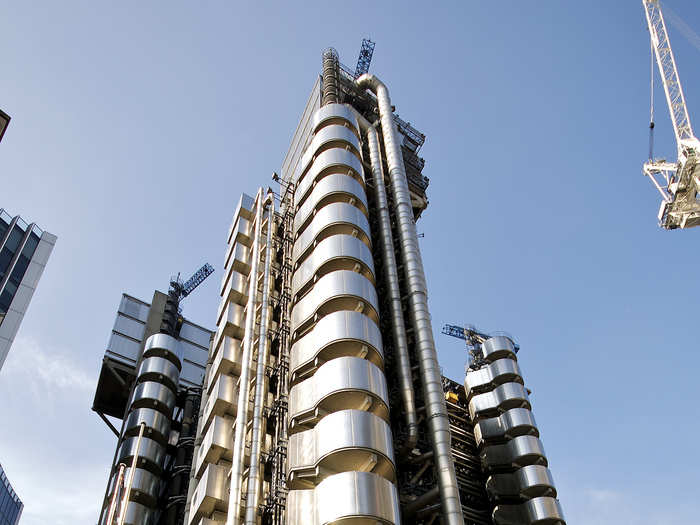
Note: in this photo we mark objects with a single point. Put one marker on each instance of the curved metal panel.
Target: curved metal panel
(150, 394)
(511, 423)
(160, 370)
(157, 424)
(343, 441)
(164, 345)
(338, 334)
(338, 252)
(333, 160)
(492, 375)
(537, 511)
(144, 487)
(216, 443)
(367, 499)
(151, 453)
(340, 384)
(241, 231)
(333, 113)
(232, 321)
(525, 483)
(500, 399)
(518, 452)
(211, 493)
(498, 347)
(238, 258)
(222, 399)
(336, 218)
(333, 188)
(332, 135)
(227, 360)
(136, 514)
(341, 290)
(234, 289)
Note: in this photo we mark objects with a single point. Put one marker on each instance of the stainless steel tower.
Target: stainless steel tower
(323, 400)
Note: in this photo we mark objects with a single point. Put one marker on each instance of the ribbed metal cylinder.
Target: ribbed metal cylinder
(331, 74)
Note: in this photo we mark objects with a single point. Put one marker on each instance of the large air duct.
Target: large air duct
(436, 411)
(391, 276)
(254, 477)
(237, 465)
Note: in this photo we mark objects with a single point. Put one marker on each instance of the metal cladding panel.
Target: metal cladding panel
(492, 375)
(334, 160)
(527, 482)
(333, 188)
(512, 423)
(134, 308)
(244, 209)
(150, 454)
(518, 452)
(340, 290)
(164, 345)
(341, 384)
(338, 334)
(336, 218)
(221, 400)
(500, 399)
(339, 252)
(498, 347)
(160, 370)
(235, 290)
(333, 112)
(537, 511)
(130, 327)
(150, 394)
(360, 498)
(326, 138)
(196, 335)
(211, 493)
(216, 443)
(232, 322)
(144, 487)
(242, 231)
(157, 424)
(302, 135)
(136, 514)
(238, 259)
(227, 360)
(343, 441)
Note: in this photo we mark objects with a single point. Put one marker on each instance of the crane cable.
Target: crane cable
(651, 111)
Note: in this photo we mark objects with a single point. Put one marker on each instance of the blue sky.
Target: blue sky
(136, 126)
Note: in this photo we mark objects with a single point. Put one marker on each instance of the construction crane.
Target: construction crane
(679, 182)
(179, 290)
(366, 52)
(473, 338)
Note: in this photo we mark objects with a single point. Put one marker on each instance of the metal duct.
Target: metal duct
(251, 506)
(436, 411)
(234, 502)
(331, 74)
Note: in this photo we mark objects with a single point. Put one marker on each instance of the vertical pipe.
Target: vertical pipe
(431, 378)
(115, 494)
(392, 279)
(234, 502)
(251, 506)
(331, 89)
(127, 490)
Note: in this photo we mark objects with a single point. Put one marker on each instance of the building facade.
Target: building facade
(10, 504)
(24, 252)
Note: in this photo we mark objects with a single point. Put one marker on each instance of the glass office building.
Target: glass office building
(10, 504)
(24, 252)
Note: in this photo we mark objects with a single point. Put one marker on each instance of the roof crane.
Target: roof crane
(678, 183)
(179, 290)
(474, 338)
(363, 61)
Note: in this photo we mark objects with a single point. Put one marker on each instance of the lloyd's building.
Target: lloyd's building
(322, 398)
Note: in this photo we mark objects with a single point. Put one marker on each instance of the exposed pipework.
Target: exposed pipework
(251, 509)
(331, 74)
(436, 410)
(392, 280)
(234, 503)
